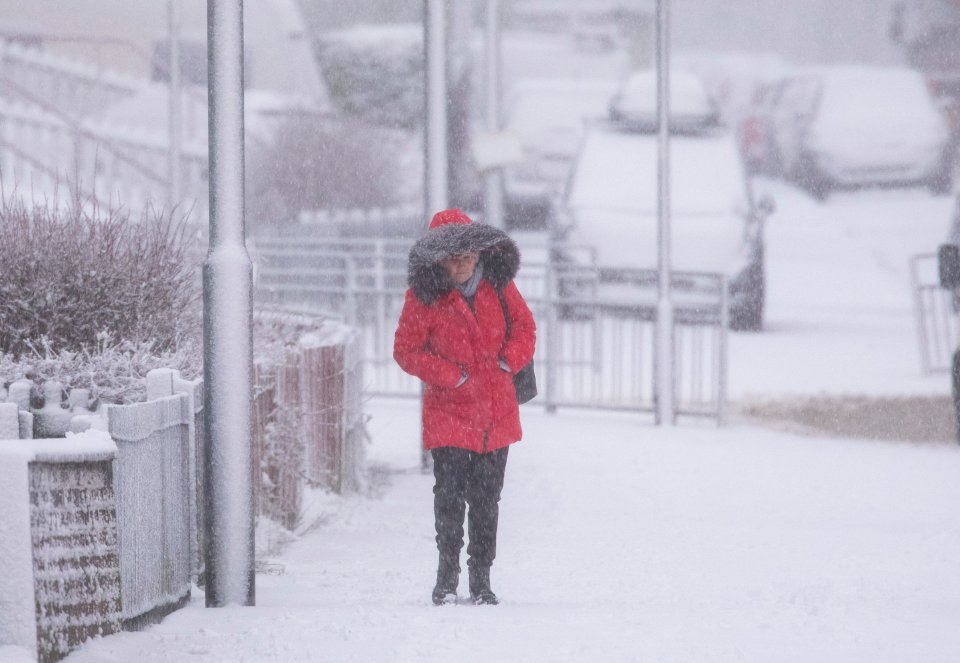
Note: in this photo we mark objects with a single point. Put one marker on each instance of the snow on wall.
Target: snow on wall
(17, 624)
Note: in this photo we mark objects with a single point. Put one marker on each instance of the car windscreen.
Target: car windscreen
(618, 170)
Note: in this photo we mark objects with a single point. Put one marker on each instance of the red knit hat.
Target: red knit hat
(449, 216)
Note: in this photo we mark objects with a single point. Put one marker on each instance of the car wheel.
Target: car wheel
(941, 184)
(820, 190)
(813, 180)
(748, 316)
(955, 384)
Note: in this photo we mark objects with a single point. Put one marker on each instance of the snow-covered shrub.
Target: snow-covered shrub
(323, 164)
(376, 73)
(73, 280)
(114, 373)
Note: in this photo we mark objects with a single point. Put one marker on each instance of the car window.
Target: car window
(691, 108)
(799, 96)
(771, 95)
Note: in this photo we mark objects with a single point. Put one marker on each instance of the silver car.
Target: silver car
(843, 127)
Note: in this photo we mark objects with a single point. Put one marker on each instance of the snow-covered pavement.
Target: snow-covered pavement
(619, 542)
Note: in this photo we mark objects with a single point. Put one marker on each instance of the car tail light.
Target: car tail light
(752, 138)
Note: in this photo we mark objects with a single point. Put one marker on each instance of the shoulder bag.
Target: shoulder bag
(524, 380)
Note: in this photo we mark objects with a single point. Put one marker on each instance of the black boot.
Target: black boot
(448, 578)
(480, 590)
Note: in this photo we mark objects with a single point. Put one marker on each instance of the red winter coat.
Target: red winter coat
(439, 338)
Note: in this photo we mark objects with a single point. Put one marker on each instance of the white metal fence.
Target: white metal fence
(52, 146)
(155, 493)
(43, 155)
(61, 82)
(595, 345)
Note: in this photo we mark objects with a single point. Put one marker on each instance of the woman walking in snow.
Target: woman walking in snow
(453, 335)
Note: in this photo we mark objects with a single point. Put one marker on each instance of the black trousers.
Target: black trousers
(466, 478)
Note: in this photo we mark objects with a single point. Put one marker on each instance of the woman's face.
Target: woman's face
(461, 266)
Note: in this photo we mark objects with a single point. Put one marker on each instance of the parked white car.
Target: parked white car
(853, 126)
(715, 226)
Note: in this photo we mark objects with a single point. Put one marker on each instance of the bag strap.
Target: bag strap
(506, 312)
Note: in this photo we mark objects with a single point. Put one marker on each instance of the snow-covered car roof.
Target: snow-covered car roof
(875, 114)
(635, 103)
(612, 199)
(875, 93)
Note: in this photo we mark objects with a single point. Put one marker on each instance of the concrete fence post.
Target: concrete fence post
(19, 393)
(9, 421)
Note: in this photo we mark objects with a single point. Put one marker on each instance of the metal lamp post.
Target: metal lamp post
(664, 335)
(227, 325)
(493, 179)
(435, 135)
(435, 142)
(173, 165)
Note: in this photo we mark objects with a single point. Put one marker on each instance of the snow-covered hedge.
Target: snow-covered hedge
(376, 73)
(70, 279)
(333, 163)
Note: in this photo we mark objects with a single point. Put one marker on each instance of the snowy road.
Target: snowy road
(619, 542)
(624, 542)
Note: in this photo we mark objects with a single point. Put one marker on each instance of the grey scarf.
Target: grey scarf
(469, 288)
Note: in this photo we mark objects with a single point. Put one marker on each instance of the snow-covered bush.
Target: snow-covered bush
(73, 281)
(324, 164)
(114, 373)
(375, 74)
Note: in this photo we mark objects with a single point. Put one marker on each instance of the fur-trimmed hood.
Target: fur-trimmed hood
(429, 279)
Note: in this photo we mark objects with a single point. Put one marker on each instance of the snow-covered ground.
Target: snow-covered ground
(625, 542)
(839, 305)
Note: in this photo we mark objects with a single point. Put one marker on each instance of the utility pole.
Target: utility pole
(175, 123)
(664, 350)
(227, 325)
(493, 179)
